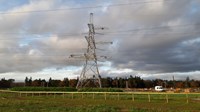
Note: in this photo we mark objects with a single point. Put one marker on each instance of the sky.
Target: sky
(151, 38)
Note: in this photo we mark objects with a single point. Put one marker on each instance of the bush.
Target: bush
(99, 90)
(67, 89)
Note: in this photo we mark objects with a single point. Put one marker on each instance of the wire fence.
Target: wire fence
(161, 97)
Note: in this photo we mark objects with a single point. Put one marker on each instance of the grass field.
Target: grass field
(101, 102)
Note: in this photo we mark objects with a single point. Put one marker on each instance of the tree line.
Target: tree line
(108, 82)
(6, 83)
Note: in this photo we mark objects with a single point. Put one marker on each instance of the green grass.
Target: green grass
(12, 102)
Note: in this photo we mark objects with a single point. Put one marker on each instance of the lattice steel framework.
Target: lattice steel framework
(90, 73)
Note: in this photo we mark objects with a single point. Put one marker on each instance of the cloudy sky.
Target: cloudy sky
(151, 38)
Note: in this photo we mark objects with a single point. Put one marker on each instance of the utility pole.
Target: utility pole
(90, 75)
(174, 84)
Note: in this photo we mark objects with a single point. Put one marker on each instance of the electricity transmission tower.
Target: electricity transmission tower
(90, 73)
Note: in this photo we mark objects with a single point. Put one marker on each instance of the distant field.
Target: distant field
(97, 102)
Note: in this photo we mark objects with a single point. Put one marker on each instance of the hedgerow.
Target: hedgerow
(67, 89)
(100, 90)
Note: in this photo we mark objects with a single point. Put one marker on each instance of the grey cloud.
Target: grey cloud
(168, 48)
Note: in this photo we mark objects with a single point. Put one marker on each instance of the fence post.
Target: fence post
(118, 96)
(167, 98)
(105, 96)
(187, 98)
(82, 95)
(54, 95)
(133, 98)
(63, 95)
(93, 96)
(72, 95)
(32, 94)
(149, 97)
(20, 94)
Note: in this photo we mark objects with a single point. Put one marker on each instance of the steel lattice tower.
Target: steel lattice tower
(90, 73)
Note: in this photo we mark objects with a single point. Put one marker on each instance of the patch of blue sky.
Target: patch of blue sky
(195, 7)
(106, 66)
(83, 1)
(6, 5)
(69, 71)
(191, 42)
(67, 68)
(70, 3)
(194, 10)
(73, 68)
(27, 39)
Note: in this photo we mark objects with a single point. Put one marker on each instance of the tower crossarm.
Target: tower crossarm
(77, 56)
(104, 42)
(87, 57)
(99, 28)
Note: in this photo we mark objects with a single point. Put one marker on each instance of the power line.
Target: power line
(195, 33)
(42, 48)
(80, 8)
(80, 34)
(153, 28)
(127, 35)
(46, 55)
(33, 38)
(61, 34)
(77, 34)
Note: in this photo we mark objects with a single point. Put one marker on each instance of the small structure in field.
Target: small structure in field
(159, 88)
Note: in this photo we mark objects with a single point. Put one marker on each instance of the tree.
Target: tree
(115, 83)
(36, 83)
(64, 83)
(30, 81)
(171, 84)
(158, 82)
(148, 83)
(122, 83)
(139, 82)
(6, 83)
(73, 82)
(106, 82)
(26, 81)
(194, 84)
(43, 83)
(53, 83)
(187, 82)
(131, 82)
(179, 84)
(49, 84)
